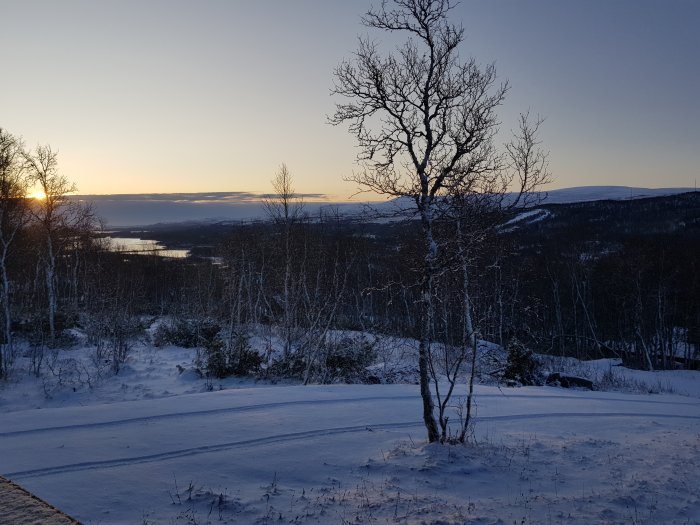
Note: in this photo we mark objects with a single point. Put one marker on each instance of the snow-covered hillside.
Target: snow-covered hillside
(598, 193)
(174, 452)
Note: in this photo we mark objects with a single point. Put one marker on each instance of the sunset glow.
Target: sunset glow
(260, 105)
(38, 195)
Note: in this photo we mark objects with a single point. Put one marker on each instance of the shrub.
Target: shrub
(35, 329)
(120, 335)
(187, 333)
(522, 367)
(233, 358)
(290, 366)
(347, 360)
(112, 334)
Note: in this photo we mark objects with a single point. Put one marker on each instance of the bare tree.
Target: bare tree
(48, 212)
(13, 216)
(286, 210)
(477, 216)
(425, 123)
(59, 219)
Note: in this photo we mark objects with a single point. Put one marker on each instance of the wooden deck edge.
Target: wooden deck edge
(18, 506)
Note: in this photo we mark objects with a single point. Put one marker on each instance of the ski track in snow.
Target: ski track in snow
(325, 432)
(279, 438)
(540, 445)
(303, 402)
(197, 413)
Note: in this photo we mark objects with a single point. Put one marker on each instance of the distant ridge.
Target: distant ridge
(130, 210)
(599, 193)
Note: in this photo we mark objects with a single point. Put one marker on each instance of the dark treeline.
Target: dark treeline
(589, 280)
(561, 293)
(616, 279)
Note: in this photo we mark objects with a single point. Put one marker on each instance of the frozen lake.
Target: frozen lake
(142, 246)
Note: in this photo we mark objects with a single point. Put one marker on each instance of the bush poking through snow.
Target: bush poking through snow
(121, 335)
(66, 373)
(329, 359)
(522, 367)
(291, 366)
(187, 333)
(112, 335)
(347, 360)
(235, 357)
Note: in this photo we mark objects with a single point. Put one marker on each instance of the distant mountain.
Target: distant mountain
(599, 193)
(671, 215)
(672, 218)
(128, 210)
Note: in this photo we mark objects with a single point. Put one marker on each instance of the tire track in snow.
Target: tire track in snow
(205, 449)
(295, 436)
(302, 402)
(196, 413)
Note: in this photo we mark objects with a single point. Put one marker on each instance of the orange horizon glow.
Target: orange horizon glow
(37, 195)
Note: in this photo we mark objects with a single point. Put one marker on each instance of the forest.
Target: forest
(588, 280)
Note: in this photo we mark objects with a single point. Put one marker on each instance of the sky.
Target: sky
(181, 96)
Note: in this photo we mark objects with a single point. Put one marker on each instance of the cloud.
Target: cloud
(227, 197)
(152, 208)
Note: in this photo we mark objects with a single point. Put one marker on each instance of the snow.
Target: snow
(529, 217)
(155, 446)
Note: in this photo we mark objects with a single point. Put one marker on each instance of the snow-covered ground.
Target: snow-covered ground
(154, 446)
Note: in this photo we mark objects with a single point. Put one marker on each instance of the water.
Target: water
(142, 246)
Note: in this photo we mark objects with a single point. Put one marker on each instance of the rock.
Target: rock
(556, 379)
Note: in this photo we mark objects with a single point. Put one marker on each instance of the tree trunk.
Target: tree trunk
(51, 288)
(426, 327)
(5, 352)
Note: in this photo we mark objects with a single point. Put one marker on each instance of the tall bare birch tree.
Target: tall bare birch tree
(286, 210)
(13, 216)
(425, 123)
(54, 215)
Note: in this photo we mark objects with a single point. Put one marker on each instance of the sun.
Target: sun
(38, 195)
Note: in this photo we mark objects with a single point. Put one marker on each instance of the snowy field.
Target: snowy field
(153, 446)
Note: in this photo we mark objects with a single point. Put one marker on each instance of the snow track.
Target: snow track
(207, 449)
(296, 436)
(130, 425)
(132, 451)
(199, 413)
(312, 402)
